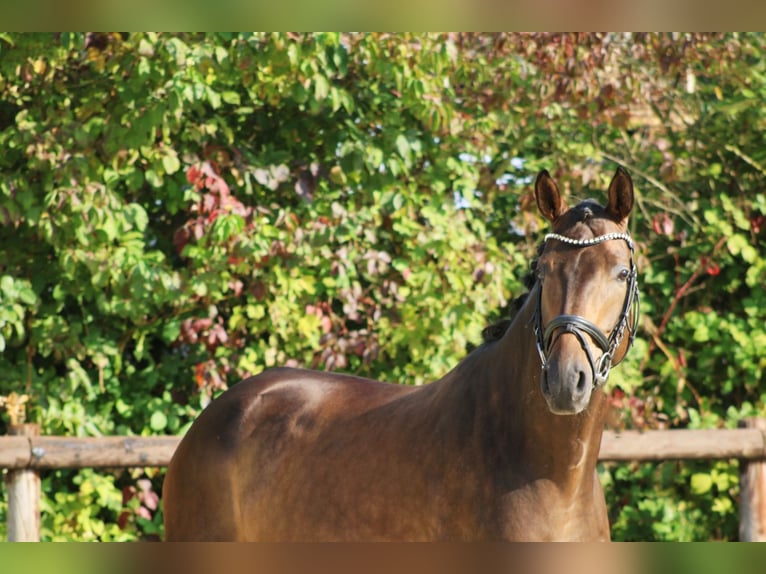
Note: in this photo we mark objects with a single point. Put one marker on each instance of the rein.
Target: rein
(580, 326)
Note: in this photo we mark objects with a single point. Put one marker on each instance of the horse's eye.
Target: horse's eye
(624, 274)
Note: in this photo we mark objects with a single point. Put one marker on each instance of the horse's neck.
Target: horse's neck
(556, 446)
(504, 379)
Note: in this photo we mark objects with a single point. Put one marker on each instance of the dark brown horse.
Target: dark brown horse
(503, 447)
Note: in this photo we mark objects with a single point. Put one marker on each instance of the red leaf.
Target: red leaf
(209, 203)
(756, 223)
(663, 224)
(193, 174)
(122, 520)
(199, 375)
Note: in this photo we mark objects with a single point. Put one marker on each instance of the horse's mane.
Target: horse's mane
(494, 332)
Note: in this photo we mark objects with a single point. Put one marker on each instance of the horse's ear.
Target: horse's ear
(549, 200)
(620, 196)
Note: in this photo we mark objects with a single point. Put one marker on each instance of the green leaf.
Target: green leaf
(294, 53)
(158, 421)
(221, 53)
(170, 162)
(403, 147)
(738, 244)
(701, 483)
(153, 178)
(230, 97)
(27, 296)
(137, 216)
(723, 505)
(134, 179)
(321, 87)
(213, 97)
(171, 330)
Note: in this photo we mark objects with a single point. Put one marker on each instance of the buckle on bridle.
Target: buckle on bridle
(602, 368)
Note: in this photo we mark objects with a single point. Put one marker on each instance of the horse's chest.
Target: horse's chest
(540, 511)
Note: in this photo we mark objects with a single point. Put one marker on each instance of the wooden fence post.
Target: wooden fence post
(23, 495)
(752, 483)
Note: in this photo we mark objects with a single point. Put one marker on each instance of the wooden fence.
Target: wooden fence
(24, 453)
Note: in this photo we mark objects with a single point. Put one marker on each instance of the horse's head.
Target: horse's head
(587, 310)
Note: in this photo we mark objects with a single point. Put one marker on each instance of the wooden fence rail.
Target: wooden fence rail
(24, 453)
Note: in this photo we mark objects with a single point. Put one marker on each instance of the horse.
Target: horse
(503, 447)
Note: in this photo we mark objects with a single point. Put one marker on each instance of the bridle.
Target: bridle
(579, 326)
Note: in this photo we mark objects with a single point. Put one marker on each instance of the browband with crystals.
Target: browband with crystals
(592, 241)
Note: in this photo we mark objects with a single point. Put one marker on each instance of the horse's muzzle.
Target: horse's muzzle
(567, 385)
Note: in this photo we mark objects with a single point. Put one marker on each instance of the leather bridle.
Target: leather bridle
(579, 326)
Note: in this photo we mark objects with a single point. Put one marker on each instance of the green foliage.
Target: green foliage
(668, 501)
(180, 211)
(97, 508)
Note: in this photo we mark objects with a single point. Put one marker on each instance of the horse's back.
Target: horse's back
(245, 441)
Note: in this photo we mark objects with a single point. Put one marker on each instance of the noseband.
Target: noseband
(579, 326)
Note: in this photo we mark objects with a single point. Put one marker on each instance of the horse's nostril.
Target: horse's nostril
(581, 383)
